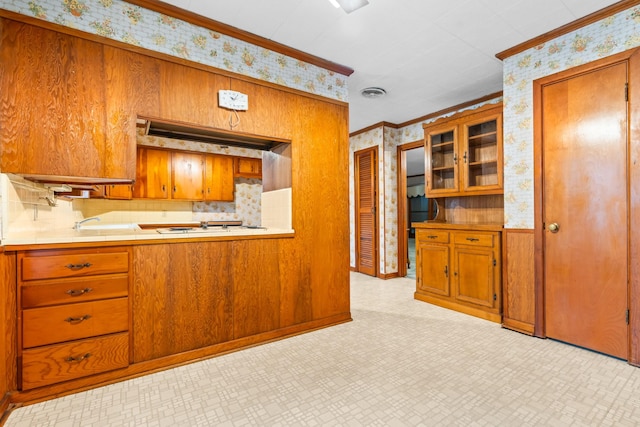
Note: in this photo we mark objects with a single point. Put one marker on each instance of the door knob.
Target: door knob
(554, 227)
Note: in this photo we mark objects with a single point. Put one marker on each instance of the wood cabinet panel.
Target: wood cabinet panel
(61, 362)
(153, 174)
(187, 176)
(218, 178)
(8, 322)
(191, 95)
(182, 298)
(263, 102)
(49, 325)
(118, 192)
(53, 113)
(475, 276)
(434, 268)
(48, 265)
(247, 167)
(256, 287)
(72, 290)
(519, 281)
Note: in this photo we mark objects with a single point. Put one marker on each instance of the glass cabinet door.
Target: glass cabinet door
(442, 161)
(482, 157)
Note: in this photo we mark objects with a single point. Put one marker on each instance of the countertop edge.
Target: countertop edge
(458, 226)
(105, 242)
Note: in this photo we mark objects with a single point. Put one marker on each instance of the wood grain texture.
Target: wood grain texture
(191, 95)
(72, 290)
(53, 121)
(256, 287)
(182, 298)
(473, 209)
(304, 279)
(51, 364)
(8, 321)
(518, 280)
(218, 178)
(634, 209)
(66, 322)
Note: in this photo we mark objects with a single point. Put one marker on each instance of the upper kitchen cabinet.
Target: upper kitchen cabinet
(187, 175)
(218, 178)
(464, 154)
(153, 174)
(53, 114)
(190, 95)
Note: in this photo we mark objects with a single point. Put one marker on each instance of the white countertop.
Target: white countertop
(112, 232)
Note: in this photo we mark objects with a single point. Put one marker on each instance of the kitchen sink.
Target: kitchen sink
(203, 230)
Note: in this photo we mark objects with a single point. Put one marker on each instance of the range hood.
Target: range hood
(192, 132)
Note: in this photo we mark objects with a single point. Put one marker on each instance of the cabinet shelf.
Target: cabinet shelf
(443, 145)
(442, 168)
(483, 163)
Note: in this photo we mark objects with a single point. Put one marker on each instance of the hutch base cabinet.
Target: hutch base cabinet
(458, 267)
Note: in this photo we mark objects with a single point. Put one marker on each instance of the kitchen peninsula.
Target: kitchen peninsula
(85, 308)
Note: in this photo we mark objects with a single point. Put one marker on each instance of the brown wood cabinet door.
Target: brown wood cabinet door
(187, 175)
(248, 167)
(441, 155)
(152, 174)
(52, 93)
(114, 191)
(584, 138)
(218, 179)
(433, 263)
(366, 207)
(474, 276)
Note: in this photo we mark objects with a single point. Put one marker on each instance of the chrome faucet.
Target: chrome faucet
(79, 223)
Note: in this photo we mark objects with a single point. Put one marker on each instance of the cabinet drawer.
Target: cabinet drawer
(52, 364)
(73, 264)
(475, 239)
(67, 322)
(434, 236)
(73, 290)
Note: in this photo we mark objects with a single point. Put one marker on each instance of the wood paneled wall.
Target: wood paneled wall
(280, 283)
(518, 280)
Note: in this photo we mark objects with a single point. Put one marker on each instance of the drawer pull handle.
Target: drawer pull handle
(78, 359)
(78, 266)
(431, 236)
(472, 239)
(76, 320)
(78, 292)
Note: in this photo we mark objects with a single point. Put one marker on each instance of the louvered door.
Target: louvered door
(366, 208)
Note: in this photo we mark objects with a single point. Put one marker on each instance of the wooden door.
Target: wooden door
(584, 209)
(187, 176)
(218, 173)
(152, 174)
(366, 207)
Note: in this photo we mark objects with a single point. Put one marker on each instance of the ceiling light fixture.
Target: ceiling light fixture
(349, 5)
(335, 4)
(373, 92)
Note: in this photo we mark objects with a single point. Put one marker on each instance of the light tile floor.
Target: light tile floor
(400, 362)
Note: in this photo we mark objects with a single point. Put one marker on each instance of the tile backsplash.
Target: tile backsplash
(24, 209)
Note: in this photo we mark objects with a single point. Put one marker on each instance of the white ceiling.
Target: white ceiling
(427, 54)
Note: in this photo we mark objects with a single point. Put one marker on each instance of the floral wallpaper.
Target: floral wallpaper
(609, 36)
(119, 20)
(387, 139)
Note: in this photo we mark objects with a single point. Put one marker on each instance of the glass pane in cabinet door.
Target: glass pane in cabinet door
(482, 154)
(442, 160)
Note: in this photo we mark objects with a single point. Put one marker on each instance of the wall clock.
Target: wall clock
(233, 100)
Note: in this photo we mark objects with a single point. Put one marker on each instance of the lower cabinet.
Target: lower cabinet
(74, 313)
(460, 270)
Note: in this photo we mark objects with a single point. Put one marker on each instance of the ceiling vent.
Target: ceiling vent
(191, 132)
(373, 92)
